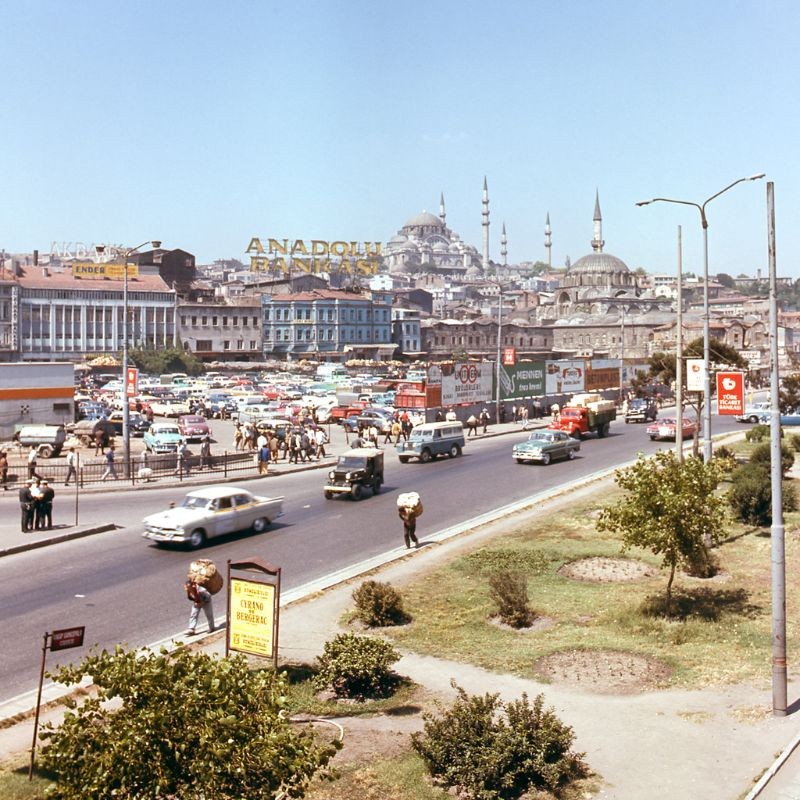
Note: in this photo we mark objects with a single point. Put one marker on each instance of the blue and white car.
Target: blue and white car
(163, 437)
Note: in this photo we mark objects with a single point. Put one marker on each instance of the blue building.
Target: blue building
(328, 324)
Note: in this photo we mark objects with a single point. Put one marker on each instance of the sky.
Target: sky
(204, 124)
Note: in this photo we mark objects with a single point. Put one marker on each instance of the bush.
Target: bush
(794, 441)
(750, 496)
(725, 458)
(762, 457)
(757, 433)
(357, 667)
(509, 589)
(491, 750)
(379, 604)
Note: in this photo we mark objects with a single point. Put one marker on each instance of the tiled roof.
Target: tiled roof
(36, 278)
(318, 294)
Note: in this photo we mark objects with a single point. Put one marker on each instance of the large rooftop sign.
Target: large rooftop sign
(98, 271)
(314, 256)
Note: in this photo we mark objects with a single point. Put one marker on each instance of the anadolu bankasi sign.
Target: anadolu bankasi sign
(317, 255)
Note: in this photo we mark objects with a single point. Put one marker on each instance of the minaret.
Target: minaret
(597, 239)
(485, 225)
(504, 246)
(548, 241)
(442, 215)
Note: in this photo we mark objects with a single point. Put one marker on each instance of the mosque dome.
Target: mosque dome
(425, 219)
(599, 263)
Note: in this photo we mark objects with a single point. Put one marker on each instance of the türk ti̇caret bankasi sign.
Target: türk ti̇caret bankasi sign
(730, 393)
(316, 255)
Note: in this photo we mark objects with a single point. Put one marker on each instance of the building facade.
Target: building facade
(223, 329)
(327, 324)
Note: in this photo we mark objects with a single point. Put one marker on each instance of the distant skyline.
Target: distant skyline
(204, 124)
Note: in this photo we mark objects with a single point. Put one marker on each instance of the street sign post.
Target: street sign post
(56, 640)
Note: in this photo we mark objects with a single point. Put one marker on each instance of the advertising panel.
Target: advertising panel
(434, 375)
(695, 375)
(132, 382)
(565, 377)
(252, 616)
(601, 378)
(509, 356)
(98, 272)
(730, 393)
(465, 382)
(67, 638)
(525, 379)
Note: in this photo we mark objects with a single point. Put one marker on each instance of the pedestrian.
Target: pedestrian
(321, 440)
(514, 413)
(4, 469)
(387, 436)
(472, 425)
(205, 453)
(409, 518)
(538, 411)
(523, 413)
(261, 441)
(46, 506)
(439, 415)
(294, 446)
(110, 471)
(274, 446)
(372, 434)
(38, 515)
(502, 412)
(182, 466)
(451, 415)
(263, 459)
(238, 436)
(484, 418)
(200, 597)
(26, 507)
(98, 442)
(397, 431)
(32, 461)
(305, 445)
(72, 466)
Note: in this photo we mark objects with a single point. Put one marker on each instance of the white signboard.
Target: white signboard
(695, 375)
(564, 377)
(467, 383)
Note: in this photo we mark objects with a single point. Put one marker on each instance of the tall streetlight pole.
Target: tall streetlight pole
(497, 363)
(126, 411)
(701, 207)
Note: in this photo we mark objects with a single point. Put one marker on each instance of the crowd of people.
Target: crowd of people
(36, 505)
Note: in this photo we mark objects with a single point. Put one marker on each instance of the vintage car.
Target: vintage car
(169, 407)
(545, 446)
(163, 437)
(193, 427)
(355, 469)
(209, 512)
(755, 412)
(137, 423)
(666, 428)
(640, 409)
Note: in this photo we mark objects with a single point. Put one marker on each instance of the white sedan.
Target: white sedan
(209, 512)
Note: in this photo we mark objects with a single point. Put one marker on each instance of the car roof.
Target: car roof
(365, 452)
(213, 492)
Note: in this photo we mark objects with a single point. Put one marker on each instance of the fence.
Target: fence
(139, 470)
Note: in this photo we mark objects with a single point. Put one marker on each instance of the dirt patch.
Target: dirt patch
(603, 671)
(539, 624)
(601, 569)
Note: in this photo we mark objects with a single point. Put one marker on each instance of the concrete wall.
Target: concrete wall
(35, 393)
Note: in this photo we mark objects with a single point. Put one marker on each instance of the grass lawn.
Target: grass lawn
(723, 633)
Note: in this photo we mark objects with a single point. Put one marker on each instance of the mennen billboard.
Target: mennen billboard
(525, 379)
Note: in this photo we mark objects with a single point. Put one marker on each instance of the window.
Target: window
(214, 321)
(226, 345)
(236, 319)
(224, 322)
(252, 344)
(255, 322)
(204, 345)
(204, 320)
(194, 320)
(240, 345)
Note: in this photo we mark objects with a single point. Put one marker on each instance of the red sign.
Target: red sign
(730, 393)
(69, 637)
(509, 356)
(132, 382)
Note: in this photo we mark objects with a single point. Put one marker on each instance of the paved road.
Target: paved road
(126, 590)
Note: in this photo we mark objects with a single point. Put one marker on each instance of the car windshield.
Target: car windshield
(421, 436)
(540, 436)
(351, 462)
(193, 501)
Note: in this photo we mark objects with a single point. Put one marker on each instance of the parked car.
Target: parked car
(755, 412)
(193, 427)
(545, 446)
(356, 469)
(209, 512)
(640, 409)
(169, 407)
(137, 423)
(666, 427)
(163, 437)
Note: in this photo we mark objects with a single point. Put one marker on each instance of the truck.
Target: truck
(587, 413)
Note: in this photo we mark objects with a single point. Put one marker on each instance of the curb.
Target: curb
(21, 548)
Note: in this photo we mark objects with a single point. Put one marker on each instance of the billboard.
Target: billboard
(314, 256)
(730, 393)
(89, 270)
(525, 379)
(251, 617)
(565, 377)
(467, 382)
(601, 378)
(695, 374)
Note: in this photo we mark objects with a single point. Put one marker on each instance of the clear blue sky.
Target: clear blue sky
(206, 123)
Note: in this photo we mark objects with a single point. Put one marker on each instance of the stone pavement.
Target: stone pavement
(711, 743)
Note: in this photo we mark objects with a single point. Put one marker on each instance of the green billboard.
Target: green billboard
(525, 379)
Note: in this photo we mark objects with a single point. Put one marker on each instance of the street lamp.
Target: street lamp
(126, 411)
(706, 322)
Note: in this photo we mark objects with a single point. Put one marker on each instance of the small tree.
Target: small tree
(379, 604)
(357, 667)
(509, 590)
(669, 508)
(187, 726)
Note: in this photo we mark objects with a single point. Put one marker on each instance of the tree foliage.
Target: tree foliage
(490, 750)
(669, 508)
(185, 726)
(171, 359)
(789, 398)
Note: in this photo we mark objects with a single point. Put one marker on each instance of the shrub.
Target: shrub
(750, 496)
(757, 433)
(509, 590)
(490, 750)
(794, 441)
(725, 458)
(762, 457)
(357, 667)
(379, 604)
